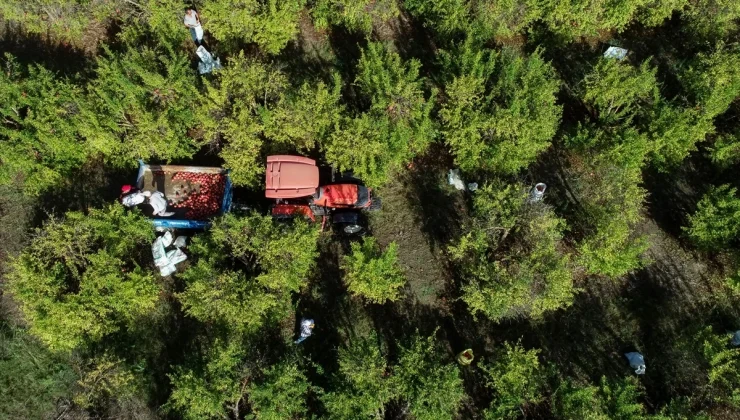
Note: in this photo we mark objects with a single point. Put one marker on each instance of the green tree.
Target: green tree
(141, 105)
(305, 118)
(610, 400)
(398, 125)
(714, 225)
(356, 15)
(39, 137)
(517, 379)
(430, 388)
(229, 114)
(271, 24)
(504, 19)
(618, 90)
(606, 172)
(509, 253)
(30, 372)
(576, 18)
(104, 378)
(501, 122)
(81, 278)
(246, 268)
(713, 80)
(726, 149)
(710, 19)
(211, 383)
(724, 363)
(363, 386)
(444, 16)
(674, 132)
(372, 273)
(280, 394)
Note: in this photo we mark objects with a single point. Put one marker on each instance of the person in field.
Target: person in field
(192, 22)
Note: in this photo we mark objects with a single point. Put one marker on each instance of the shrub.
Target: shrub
(39, 138)
(372, 273)
(517, 379)
(355, 15)
(140, 106)
(714, 224)
(398, 125)
(271, 24)
(281, 393)
(85, 276)
(499, 123)
(245, 270)
(510, 256)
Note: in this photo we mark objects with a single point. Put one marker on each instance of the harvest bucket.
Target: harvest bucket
(465, 357)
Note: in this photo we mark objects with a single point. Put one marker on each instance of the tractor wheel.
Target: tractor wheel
(352, 229)
(375, 204)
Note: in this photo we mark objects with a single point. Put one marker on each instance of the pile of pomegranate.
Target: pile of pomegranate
(205, 194)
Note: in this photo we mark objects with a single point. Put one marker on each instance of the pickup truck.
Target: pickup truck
(194, 193)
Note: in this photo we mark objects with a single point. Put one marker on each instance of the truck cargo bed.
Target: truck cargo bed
(164, 178)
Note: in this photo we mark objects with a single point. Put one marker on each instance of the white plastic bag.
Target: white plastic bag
(181, 242)
(158, 253)
(167, 270)
(454, 179)
(176, 256)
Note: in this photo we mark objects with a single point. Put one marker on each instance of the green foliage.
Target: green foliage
(202, 391)
(246, 268)
(372, 273)
(141, 106)
(281, 394)
(724, 363)
(655, 12)
(305, 118)
(714, 225)
(81, 278)
(504, 19)
(64, 19)
(575, 18)
(500, 123)
(363, 387)
(606, 183)
(711, 19)
(444, 16)
(30, 373)
(611, 400)
(428, 388)
(105, 378)
(398, 125)
(517, 379)
(39, 138)
(355, 15)
(431, 389)
(250, 101)
(713, 80)
(618, 90)
(230, 110)
(271, 24)
(510, 254)
(726, 150)
(674, 132)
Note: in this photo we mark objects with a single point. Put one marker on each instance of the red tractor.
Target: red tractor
(293, 181)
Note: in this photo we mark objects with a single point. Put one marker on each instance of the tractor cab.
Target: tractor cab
(293, 182)
(291, 177)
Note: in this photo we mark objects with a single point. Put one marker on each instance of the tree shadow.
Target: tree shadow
(32, 49)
